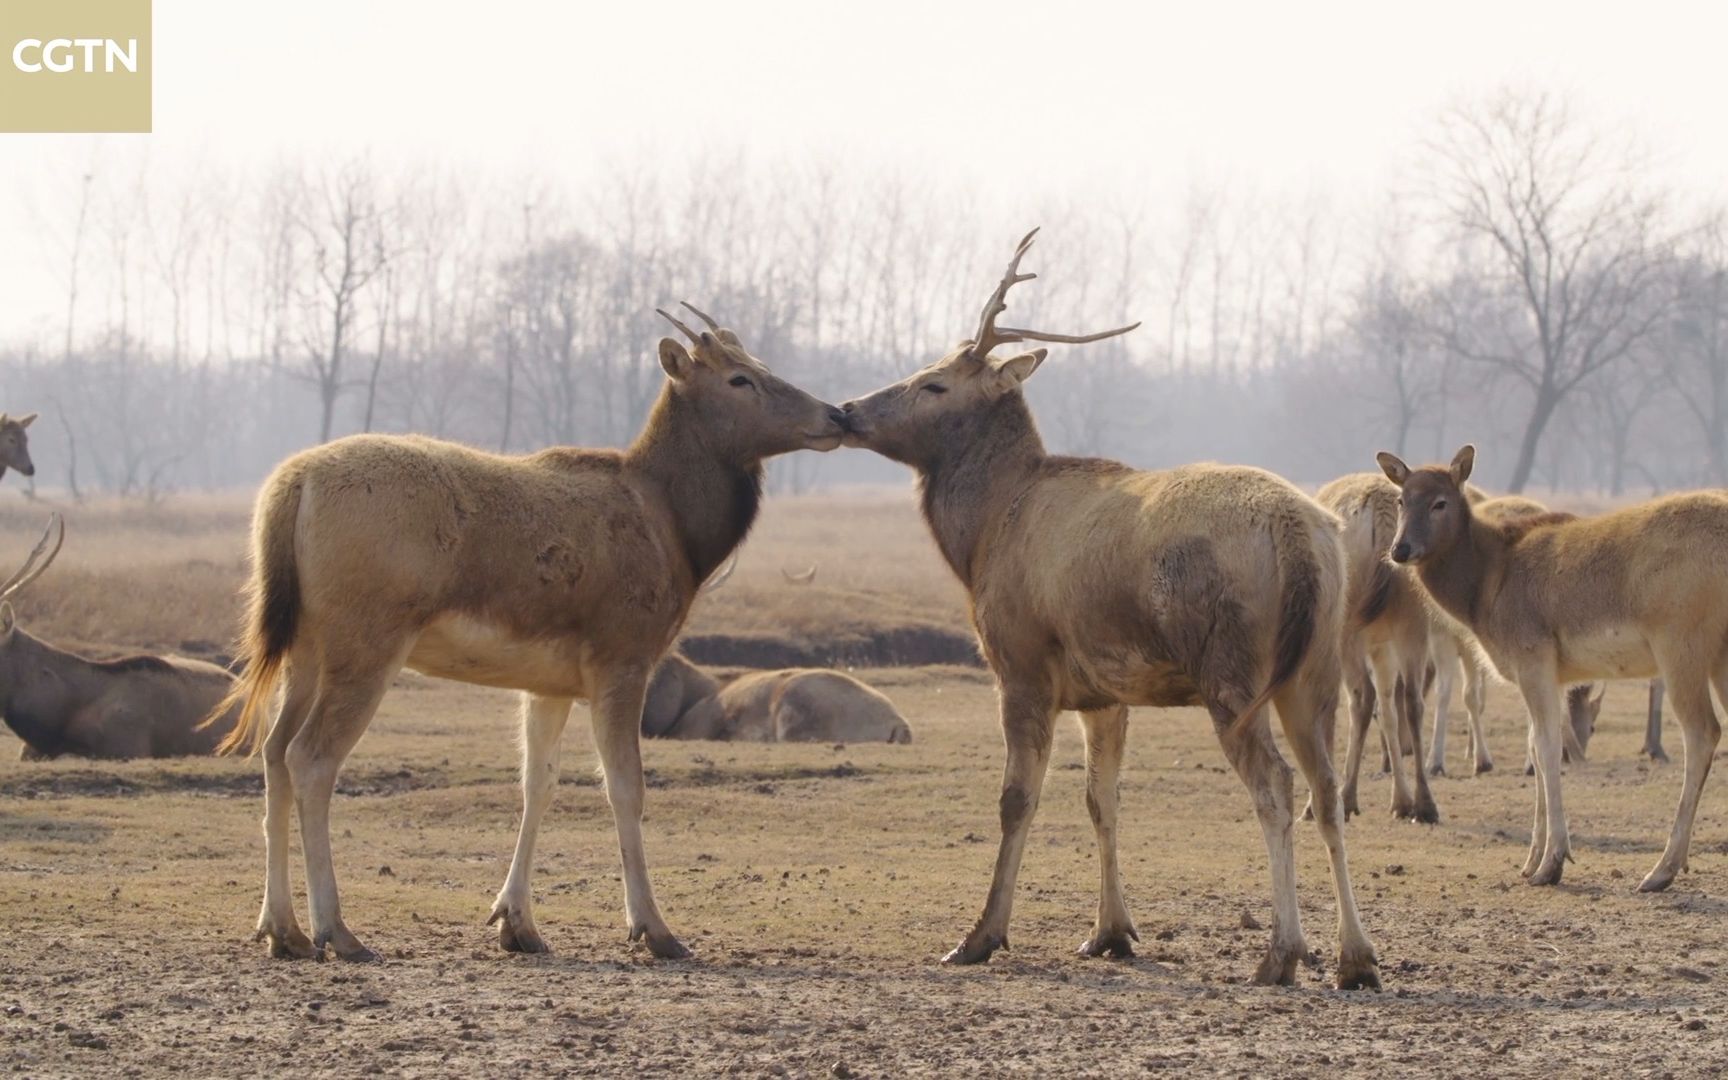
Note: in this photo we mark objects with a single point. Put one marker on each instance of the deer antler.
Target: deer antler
(703, 315)
(695, 338)
(989, 335)
(26, 574)
(802, 578)
(719, 577)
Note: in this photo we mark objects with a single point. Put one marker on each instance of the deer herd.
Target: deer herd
(1094, 587)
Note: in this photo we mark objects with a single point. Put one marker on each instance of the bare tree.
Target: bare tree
(341, 219)
(1571, 234)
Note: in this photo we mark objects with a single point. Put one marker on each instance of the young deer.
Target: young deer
(1385, 644)
(1555, 600)
(1094, 587)
(564, 574)
(136, 707)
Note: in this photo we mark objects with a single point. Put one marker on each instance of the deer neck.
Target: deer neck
(974, 474)
(713, 500)
(1459, 578)
(34, 683)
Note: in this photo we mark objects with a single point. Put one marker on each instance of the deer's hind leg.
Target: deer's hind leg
(1362, 700)
(1304, 710)
(1106, 736)
(276, 922)
(543, 720)
(1700, 732)
(349, 689)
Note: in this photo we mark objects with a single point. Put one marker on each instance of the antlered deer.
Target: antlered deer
(788, 705)
(1385, 644)
(135, 707)
(1556, 600)
(1094, 587)
(564, 574)
(15, 444)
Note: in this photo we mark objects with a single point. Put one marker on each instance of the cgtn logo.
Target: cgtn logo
(32, 55)
(75, 65)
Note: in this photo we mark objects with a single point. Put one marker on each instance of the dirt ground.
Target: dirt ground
(818, 885)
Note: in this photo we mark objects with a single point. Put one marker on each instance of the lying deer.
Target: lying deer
(1094, 587)
(564, 574)
(790, 705)
(1385, 644)
(15, 444)
(137, 707)
(1555, 600)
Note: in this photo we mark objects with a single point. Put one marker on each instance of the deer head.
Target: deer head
(1433, 509)
(15, 444)
(915, 419)
(747, 412)
(30, 571)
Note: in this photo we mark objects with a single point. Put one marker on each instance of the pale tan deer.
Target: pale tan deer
(1094, 587)
(564, 574)
(787, 705)
(1555, 600)
(1385, 644)
(59, 703)
(15, 444)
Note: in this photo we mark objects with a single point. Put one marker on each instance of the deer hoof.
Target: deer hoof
(1358, 972)
(1113, 944)
(976, 948)
(289, 944)
(1278, 967)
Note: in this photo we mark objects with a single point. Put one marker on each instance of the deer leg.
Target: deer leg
(1445, 681)
(1475, 704)
(1653, 723)
(1268, 779)
(1547, 715)
(1106, 735)
(276, 923)
(1027, 728)
(1304, 713)
(543, 720)
(1413, 650)
(348, 695)
(618, 736)
(1390, 715)
(1361, 715)
(1700, 732)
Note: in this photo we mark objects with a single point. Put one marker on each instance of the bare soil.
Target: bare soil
(818, 885)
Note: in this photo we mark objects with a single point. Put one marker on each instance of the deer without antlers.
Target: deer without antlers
(1094, 587)
(564, 574)
(15, 444)
(137, 707)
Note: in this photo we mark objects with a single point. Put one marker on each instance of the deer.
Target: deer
(563, 574)
(1093, 587)
(1555, 600)
(15, 444)
(1385, 644)
(59, 703)
(788, 705)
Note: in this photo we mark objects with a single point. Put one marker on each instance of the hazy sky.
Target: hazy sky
(1007, 97)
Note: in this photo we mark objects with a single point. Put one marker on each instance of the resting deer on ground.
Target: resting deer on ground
(15, 444)
(564, 574)
(1385, 643)
(1094, 587)
(788, 705)
(137, 707)
(1555, 600)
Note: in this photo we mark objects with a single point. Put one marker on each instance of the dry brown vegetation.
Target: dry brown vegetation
(816, 884)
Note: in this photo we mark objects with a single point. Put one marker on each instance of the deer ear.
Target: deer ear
(1462, 462)
(1017, 369)
(675, 359)
(1395, 470)
(27, 419)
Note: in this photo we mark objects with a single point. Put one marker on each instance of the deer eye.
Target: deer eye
(738, 380)
(935, 388)
(1439, 505)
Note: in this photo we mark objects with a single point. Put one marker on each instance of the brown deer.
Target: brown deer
(564, 574)
(1386, 641)
(137, 707)
(789, 705)
(15, 444)
(1094, 587)
(1555, 600)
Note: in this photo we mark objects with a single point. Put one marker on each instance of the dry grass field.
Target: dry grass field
(817, 885)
